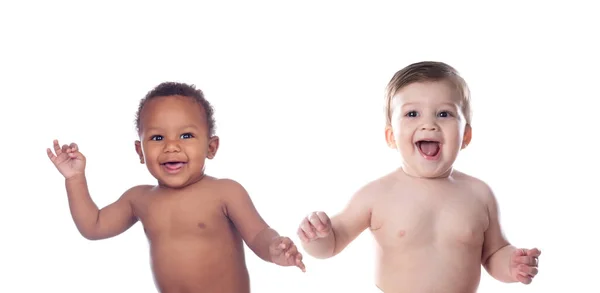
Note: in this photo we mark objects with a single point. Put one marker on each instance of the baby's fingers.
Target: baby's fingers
(534, 252)
(524, 279)
(299, 262)
(308, 229)
(316, 222)
(73, 147)
(281, 245)
(57, 149)
(323, 217)
(526, 260)
(71, 150)
(294, 257)
(51, 155)
(303, 237)
(528, 271)
(291, 251)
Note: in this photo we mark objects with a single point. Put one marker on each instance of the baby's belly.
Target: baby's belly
(199, 265)
(429, 269)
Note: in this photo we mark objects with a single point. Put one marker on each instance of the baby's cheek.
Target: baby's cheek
(405, 133)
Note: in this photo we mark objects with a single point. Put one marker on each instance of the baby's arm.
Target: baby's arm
(345, 226)
(503, 261)
(497, 251)
(96, 224)
(242, 212)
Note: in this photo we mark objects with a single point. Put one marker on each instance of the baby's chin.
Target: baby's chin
(178, 182)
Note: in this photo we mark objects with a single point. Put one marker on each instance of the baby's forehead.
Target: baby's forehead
(172, 110)
(169, 104)
(432, 92)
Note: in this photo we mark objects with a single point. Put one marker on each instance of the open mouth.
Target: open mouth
(173, 166)
(430, 149)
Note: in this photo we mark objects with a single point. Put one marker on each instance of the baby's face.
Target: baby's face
(174, 140)
(428, 128)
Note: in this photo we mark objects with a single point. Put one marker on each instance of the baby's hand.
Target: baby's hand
(68, 160)
(314, 226)
(285, 253)
(524, 264)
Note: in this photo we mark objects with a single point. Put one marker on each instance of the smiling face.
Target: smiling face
(174, 140)
(428, 128)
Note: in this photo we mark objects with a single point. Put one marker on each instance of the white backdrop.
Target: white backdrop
(298, 91)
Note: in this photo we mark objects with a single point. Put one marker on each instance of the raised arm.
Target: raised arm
(264, 241)
(324, 238)
(94, 223)
(91, 222)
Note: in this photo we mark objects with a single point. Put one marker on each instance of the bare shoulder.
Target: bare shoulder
(477, 186)
(385, 184)
(226, 187)
(228, 191)
(239, 208)
(375, 189)
(135, 192)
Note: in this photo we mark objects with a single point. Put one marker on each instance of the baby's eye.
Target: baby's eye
(156, 137)
(186, 135)
(445, 114)
(412, 114)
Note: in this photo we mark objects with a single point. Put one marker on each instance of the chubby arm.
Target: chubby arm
(497, 251)
(94, 223)
(242, 212)
(345, 226)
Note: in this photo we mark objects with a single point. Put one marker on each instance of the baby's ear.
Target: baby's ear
(467, 136)
(389, 137)
(213, 146)
(138, 150)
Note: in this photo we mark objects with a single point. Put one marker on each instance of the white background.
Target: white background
(298, 91)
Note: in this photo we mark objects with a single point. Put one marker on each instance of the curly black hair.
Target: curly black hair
(180, 89)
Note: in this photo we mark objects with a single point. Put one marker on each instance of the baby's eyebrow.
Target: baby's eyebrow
(193, 126)
(409, 105)
(158, 129)
(150, 129)
(451, 105)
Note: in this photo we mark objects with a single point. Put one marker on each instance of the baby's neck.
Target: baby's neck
(410, 173)
(190, 183)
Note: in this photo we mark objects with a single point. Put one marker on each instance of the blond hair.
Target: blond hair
(428, 71)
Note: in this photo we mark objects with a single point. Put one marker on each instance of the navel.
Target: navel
(201, 225)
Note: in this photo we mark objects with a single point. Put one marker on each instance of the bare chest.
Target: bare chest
(422, 218)
(181, 215)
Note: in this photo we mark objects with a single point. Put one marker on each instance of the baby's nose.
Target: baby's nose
(171, 147)
(429, 127)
